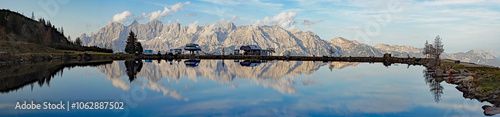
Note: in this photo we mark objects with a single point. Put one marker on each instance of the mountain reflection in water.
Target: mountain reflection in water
(269, 74)
(337, 88)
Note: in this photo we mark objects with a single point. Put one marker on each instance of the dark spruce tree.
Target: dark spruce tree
(78, 41)
(138, 48)
(130, 47)
(133, 45)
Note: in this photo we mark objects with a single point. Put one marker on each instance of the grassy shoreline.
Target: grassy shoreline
(482, 82)
(16, 52)
(486, 77)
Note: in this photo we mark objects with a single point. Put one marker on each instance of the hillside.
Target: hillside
(23, 47)
(16, 27)
(22, 35)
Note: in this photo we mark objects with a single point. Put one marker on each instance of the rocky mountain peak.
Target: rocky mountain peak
(493, 53)
(176, 25)
(154, 23)
(310, 33)
(113, 25)
(485, 54)
(137, 23)
(230, 25)
(382, 46)
(295, 31)
(224, 34)
(222, 25)
(340, 40)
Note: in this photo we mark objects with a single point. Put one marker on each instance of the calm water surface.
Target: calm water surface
(243, 88)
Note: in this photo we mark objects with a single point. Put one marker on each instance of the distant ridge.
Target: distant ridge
(226, 35)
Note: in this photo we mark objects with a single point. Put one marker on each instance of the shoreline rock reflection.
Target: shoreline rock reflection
(17, 76)
(465, 85)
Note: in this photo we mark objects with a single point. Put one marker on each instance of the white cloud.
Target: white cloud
(159, 14)
(120, 83)
(244, 2)
(88, 25)
(121, 16)
(452, 2)
(258, 23)
(310, 23)
(178, 6)
(190, 14)
(423, 13)
(153, 15)
(166, 11)
(173, 21)
(284, 20)
(193, 27)
(216, 25)
(427, 19)
(235, 17)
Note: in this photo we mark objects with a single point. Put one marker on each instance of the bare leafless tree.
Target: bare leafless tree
(438, 49)
(438, 45)
(427, 50)
(433, 51)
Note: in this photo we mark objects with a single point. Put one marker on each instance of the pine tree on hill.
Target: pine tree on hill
(78, 41)
(133, 45)
(138, 47)
(130, 47)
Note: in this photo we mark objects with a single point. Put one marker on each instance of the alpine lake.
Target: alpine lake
(229, 88)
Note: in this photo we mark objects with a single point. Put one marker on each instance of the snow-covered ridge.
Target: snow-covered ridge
(224, 34)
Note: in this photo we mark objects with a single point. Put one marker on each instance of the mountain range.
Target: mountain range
(225, 35)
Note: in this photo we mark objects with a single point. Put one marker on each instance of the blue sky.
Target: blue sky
(463, 24)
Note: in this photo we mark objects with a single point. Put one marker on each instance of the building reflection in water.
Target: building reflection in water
(251, 63)
(192, 62)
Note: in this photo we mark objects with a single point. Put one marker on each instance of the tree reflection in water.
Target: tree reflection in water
(133, 67)
(469, 91)
(18, 76)
(434, 84)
